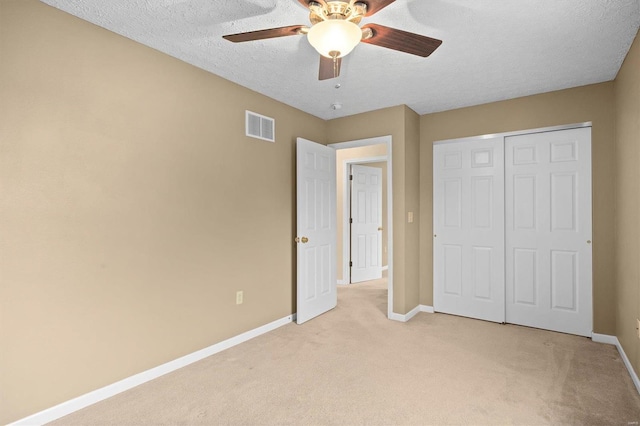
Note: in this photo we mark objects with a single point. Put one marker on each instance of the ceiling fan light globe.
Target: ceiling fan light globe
(334, 37)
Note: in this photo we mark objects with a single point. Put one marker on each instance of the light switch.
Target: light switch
(410, 217)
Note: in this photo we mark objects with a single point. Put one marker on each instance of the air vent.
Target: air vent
(260, 127)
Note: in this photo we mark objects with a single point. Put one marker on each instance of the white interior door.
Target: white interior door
(316, 229)
(468, 223)
(366, 223)
(548, 238)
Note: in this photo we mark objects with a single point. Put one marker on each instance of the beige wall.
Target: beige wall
(131, 207)
(627, 212)
(343, 155)
(412, 205)
(589, 103)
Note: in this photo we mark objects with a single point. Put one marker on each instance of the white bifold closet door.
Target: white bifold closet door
(512, 229)
(548, 233)
(468, 218)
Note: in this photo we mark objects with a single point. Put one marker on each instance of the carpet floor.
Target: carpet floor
(353, 366)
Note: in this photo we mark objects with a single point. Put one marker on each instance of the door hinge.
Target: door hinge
(350, 264)
(350, 220)
(350, 177)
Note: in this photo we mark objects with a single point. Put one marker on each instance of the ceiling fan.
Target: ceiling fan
(334, 32)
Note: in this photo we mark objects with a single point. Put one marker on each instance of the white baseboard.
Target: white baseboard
(397, 317)
(613, 340)
(412, 313)
(343, 282)
(405, 317)
(604, 338)
(98, 395)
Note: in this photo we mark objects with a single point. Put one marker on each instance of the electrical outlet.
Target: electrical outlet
(239, 297)
(410, 217)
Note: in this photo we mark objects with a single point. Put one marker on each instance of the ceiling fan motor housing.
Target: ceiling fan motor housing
(336, 10)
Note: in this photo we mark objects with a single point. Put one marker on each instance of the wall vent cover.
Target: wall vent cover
(261, 127)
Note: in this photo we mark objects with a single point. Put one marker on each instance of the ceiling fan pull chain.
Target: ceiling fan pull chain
(336, 67)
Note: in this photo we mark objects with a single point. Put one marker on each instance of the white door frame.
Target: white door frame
(346, 212)
(387, 140)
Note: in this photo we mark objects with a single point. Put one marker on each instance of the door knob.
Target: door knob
(588, 241)
(304, 240)
(380, 228)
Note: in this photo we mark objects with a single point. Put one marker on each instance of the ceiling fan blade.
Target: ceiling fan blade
(329, 69)
(374, 6)
(402, 41)
(263, 34)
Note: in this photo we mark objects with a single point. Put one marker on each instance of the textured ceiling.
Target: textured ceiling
(492, 49)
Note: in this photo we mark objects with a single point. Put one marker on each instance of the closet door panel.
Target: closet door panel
(469, 228)
(548, 230)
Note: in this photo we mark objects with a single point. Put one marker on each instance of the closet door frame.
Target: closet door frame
(436, 257)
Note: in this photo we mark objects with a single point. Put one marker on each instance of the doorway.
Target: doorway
(373, 150)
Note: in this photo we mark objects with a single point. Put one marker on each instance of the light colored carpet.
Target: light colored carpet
(352, 366)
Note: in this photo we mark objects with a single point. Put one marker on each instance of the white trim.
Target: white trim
(73, 405)
(627, 363)
(613, 340)
(518, 132)
(405, 317)
(604, 338)
(388, 140)
(343, 282)
(427, 309)
(361, 142)
(397, 317)
(385, 268)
